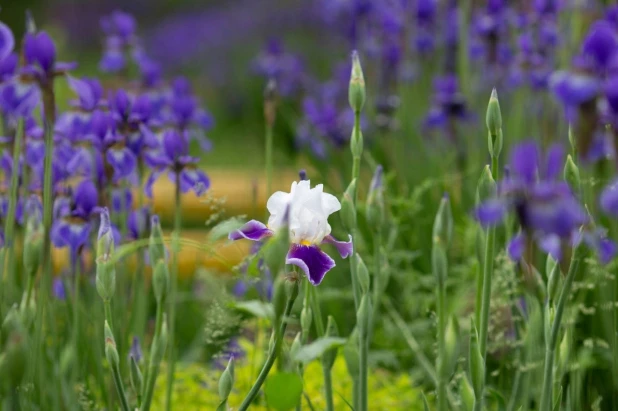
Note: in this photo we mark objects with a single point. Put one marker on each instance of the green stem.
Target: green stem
(153, 368)
(272, 355)
(172, 296)
(120, 388)
(363, 341)
(550, 345)
(76, 274)
(319, 326)
(328, 389)
(488, 268)
(269, 158)
(355, 176)
(9, 226)
(441, 362)
(107, 307)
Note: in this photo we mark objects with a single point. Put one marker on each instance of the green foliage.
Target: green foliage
(283, 390)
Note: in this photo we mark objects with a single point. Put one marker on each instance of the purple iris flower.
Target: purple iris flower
(119, 24)
(136, 350)
(7, 41)
(285, 68)
(40, 57)
(58, 289)
(543, 203)
(231, 350)
(448, 103)
(119, 29)
(138, 223)
(89, 93)
(18, 99)
(600, 45)
(173, 157)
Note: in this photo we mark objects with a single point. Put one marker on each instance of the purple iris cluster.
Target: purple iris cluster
(544, 205)
(107, 141)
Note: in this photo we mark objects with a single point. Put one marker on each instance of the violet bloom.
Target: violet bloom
(40, 57)
(173, 157)
(285, 68)
(119, 29)
(58, 289)
(136, 350)
(307, 210)
(138, 223)
(547, 210)
(7, 41)
(448, 104)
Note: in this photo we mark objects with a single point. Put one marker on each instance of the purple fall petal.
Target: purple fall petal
(516, 247)
(345, 248)
(313, 261)
(253, 230)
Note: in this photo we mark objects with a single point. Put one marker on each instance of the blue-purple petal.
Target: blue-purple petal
(516, 247)
(345, 248)
(252, 230)
(491, 212)
(313, 261)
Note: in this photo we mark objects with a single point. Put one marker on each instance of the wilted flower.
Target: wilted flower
(308, 210)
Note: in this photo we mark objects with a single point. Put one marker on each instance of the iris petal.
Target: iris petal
(313, 261)
(253, 230)
(345, 248)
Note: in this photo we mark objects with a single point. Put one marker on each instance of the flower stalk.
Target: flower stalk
(274, 348)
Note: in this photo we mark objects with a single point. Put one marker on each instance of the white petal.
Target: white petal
(330, 204)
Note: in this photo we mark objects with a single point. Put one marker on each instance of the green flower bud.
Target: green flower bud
(356, 142)
(328, 358)
(27, 309)
(292, 286)
(564, 352)
(363, 315)
(467, 393)
(106, 279)
(296, 344)
(33, 244)
(155, 245)
(105, 239)
(160, 281)
(278, 247)
(226, 382)
(451, 343)
(439, 263)
(137, 380)
(351, 355)
(348, 209)
(493, 120)
(14, 356)
(12, 322)
(486, 187)
(550, 314)
(306, 317)
(356, 91)
(571, 175)
(476, 362)
(159, 344)
(279, 297)
(443, 224)
(375, 200)
(110, 347)
(362, 274)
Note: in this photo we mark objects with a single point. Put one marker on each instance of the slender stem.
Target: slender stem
(377, 280)
(317, 312)
(355, 176)
(76, 274)
(355, 393)
(269, 158)
(441, 361)
(363, 391)
(153, 368)
(172, 296)
(107, 307)
(120, 387)
(272, 355)
(9, 226)
(319, 326)
(328, 389)
(550, 345)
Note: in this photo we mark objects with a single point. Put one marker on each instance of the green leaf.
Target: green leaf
(497, 395)
(315, 350)
(224, 228)
(283, 390)
(255, 308)
(222, 406)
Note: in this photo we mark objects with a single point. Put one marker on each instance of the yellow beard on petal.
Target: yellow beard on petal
(305, 242)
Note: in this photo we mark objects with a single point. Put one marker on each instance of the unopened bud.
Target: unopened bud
(443, 224)
(451, 343)
(375, 199)
(296, 344)
(362, 316)
(467, 393)
(571, 175)
(362, 274)
(156, 246)
(160, 282)
(33, 244)
(137, 380)
(476, 363)
(493, 120)
(105, 239)
(306, 317)
(348, 208)
(351, 355)
(110, 347)
(226, 382)
(356, 142)
(486, 187)
(356, 91)
(106, 279)
(279, 298)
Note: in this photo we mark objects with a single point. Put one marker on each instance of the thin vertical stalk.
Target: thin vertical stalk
(441, 361)
(107, 307)
(355, 176)
(76, 274)
(550, 344)
(172, 297)
(8, 253)
(363, 392)
(153, 367)
(269, 158)
(319, 326)
(272, 354)
(120, 387)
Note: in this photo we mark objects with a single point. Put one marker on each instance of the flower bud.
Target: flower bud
(105, 239)
(571, 175)
(226, 382)
(362, 274)
(351, 355)
(356, 91)
(443, 224)
(296, 344)
(27, 309)
(375, 200)
(110, 347)
(159, 344)
(564, 351)
(356, 142)
(33, 244)
(486, 187)
(11, 322)
(362, 316)
(328, 358)
(550, 314)
(439, 264)
(467, 393)
(156, 246)
(137, 381)
(493, 119)
(14, 356)
(160, 281)
(348, 208)
(451, 343)
(106, 279)
(279, 298)
(306, 317)
(476, 363)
